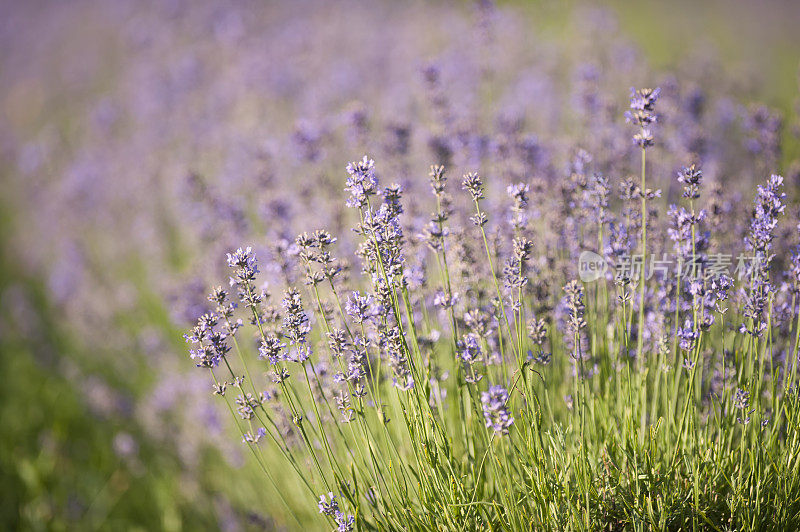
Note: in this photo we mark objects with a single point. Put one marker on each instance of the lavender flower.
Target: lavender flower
(345, 523)
(270, 349)
(470, 354)
(495, 410)
(691, 177)
(519, 194)
(391, 342)
(688, 335)
(643, 102)
(254, 438)
(473, 183)
(329, 505)
(769, 204)
(575, 307)
(211, 344)
(361, 183)
(359, 307)
(537, 330)
(295, 321)
(245, 269)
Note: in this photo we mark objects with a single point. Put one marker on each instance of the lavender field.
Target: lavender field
(400, 265)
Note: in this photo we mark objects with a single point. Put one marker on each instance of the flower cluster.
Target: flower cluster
(642, 114)
(496, 411)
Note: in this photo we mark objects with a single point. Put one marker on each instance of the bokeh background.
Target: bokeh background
(139, 141)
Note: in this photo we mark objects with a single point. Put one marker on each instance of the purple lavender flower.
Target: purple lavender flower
(254, 438)
(575, 307)
(245, 269)
(473, 183)
(769, 204)
(391, 342)
(270, 349)
(643, 102)
(359, 307)
(515, 271)
(329, 505)
(495, 410)
(470, 354)
(537, 330)
(296, 325)
(691, 177)
(444, 300)
(361, 183)
(345, 523)
(519, 194)
(211, 344)
(687, 335)
(244, 264)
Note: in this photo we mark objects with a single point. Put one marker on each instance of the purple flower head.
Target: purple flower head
(211, 344)
(329, 506)
(296, 324)
(519, 193)
(337, 342)
(596, 198)
(574, 306)
(244, 264)
(537, 330)
(254, 438)
(392, 343)
(769, 204)
(680, 231)
(470, 353)
(444, 300)
(359, 307)
(392, 195)
(204, 357)
(345, 523)
(245, 269)
(270, 349)
(720, 287)
(438, 179)
(691, 177)
(361, 182)
(644, 138)
(643, 104)
(741, 399)
(473, 183)
(687, 336)
(644, 99)
(469, 349)
(495, 410)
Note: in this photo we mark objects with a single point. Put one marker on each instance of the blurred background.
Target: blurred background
(139, 141)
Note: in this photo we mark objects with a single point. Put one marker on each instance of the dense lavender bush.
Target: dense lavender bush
(653, 408)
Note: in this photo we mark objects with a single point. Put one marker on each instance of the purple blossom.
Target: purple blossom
(359, 307)
(495, 410)
(362, 182)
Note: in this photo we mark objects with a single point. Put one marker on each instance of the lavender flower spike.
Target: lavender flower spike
(495, 410)
(361, 183)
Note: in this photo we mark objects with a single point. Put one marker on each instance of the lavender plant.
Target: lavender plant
(449, 410)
